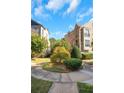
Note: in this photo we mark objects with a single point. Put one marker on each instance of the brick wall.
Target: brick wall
(76, 37)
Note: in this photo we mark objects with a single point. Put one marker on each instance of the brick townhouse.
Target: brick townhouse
(82, 36)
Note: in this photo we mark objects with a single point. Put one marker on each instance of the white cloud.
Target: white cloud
(55, 5)
(58, 34)
(38, 10)
(81, 16)
(73, 6)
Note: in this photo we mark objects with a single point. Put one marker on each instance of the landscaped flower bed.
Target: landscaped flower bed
(55, 67)
(67, 66)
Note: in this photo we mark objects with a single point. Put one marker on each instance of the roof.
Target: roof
(77, 24)
(36, 23)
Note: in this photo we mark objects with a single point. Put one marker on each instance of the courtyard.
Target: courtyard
(57, 82)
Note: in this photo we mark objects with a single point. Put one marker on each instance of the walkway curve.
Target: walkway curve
(71, 77)
(62, 82)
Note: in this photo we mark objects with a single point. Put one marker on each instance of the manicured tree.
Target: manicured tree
(75, 53)
(60, 54)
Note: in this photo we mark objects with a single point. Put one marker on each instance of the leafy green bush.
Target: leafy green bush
(75, 53)
(59, 55)
(87, 56)
(38, 44)
(73, 63)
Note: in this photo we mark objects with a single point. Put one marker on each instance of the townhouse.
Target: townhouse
(82, 36)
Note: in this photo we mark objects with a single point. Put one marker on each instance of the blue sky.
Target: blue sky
(60, 16)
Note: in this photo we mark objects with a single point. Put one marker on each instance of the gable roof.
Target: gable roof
(36, 23)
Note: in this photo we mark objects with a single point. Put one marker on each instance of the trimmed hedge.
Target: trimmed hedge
(73, 63)
(87, 56)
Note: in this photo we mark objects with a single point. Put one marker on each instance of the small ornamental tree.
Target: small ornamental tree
(59, 55)
(75, 53)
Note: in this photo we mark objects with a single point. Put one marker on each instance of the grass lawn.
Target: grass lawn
(85, 88)
(40, 60)
(55, 67)
(40, 86)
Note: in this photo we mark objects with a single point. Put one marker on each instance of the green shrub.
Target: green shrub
(87, 56)
(59, 55)
(73, 63)
(75, 53)
(38, 44)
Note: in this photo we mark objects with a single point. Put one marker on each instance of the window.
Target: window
(87, 43)
(86, 33)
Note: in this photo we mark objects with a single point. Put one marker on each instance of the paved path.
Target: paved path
(64, 88)
(62, 82)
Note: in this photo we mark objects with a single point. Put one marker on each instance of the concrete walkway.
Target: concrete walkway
(62, 82)
(63, 88)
